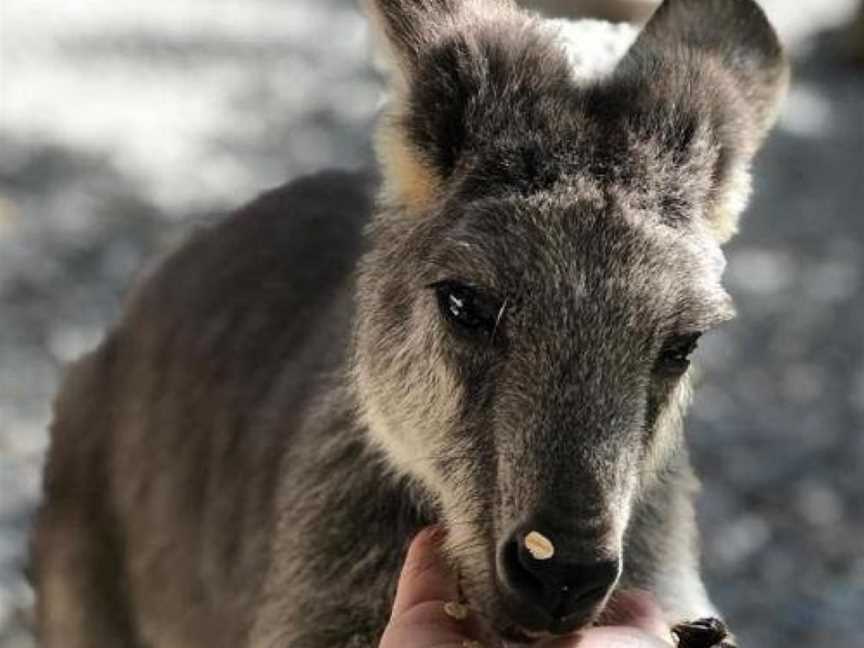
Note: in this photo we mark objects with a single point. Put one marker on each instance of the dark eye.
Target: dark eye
(468, 309)
(674, 358)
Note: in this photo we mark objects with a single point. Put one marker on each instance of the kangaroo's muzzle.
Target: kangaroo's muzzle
(554, 582)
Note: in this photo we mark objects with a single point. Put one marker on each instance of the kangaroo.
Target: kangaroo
(492, 333)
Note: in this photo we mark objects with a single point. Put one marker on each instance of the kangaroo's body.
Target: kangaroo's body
(127, 558)
(288, 400)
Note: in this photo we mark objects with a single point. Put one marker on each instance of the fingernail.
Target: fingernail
(456, 611)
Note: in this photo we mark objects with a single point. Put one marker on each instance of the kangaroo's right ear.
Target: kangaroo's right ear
(431, 53)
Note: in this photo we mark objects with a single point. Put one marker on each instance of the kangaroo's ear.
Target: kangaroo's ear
(721, 61)
(432, 53)
(405, 30)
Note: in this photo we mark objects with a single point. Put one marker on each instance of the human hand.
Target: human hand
(426, 612)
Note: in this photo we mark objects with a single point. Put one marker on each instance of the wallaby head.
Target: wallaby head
(545, 255)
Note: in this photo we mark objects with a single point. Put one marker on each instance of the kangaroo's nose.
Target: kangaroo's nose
(538, 573)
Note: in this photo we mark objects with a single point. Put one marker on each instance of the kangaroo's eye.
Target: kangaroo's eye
(467, 308)
(674, 358)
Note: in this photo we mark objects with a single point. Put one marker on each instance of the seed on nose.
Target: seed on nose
(539, 546)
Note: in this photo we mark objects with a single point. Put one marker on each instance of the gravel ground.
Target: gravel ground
(122, 124)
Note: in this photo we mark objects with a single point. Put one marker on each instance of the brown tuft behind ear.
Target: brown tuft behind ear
(409, 181)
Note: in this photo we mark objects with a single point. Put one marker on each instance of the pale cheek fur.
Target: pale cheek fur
(410, 411)
(667, 436)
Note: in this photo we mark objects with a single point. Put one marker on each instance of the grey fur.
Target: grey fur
(244, 459)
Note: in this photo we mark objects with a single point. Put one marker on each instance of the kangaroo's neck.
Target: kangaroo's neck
(336, 472)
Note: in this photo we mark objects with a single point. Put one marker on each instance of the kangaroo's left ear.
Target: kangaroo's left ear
(721, 62)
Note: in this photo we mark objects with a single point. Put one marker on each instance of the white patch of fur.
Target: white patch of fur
(733, 201)
(594, 47)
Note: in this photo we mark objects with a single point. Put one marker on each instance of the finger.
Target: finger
(427, 625)
(616, 637)
(637, 609)
(424, 576)
(632, 619)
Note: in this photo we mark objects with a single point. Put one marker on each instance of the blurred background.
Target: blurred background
(124, 123)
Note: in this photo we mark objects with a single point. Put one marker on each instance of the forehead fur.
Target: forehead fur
(580, 251)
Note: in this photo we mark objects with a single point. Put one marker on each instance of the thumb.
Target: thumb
(424, 577)
(426, 613)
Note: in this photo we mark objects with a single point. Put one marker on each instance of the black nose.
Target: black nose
(559, 585)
